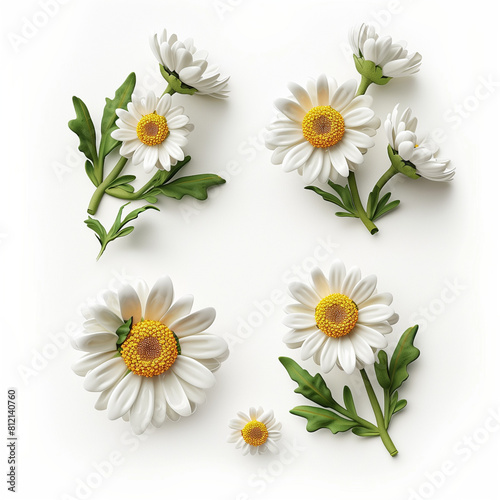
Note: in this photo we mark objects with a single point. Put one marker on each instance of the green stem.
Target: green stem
(388, 175)
(361, 212)
(387, 402)
(116, 192)
(101, 189)
(169, 90)
(363, 85)
(356, 418)
(384, 435)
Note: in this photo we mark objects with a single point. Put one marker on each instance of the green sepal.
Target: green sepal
(175, 83)
(364, 432)
(382, 370)
(313, 388)
(402, 166)
(371, 71)
(83, 127)
(192, 185)
(117, 229)
(123, 331)
(404, 354)
(108, 123)
(320, 418)
(89, 169)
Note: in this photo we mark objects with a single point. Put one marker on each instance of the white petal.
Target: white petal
(130, 305)
(193, 323)
(364, 289)
(160, 404)
(337, 275)
(295, 336)
(312, 344)
(320, 282)
(180, 308)
(193, 373)
(175, 395)
(329, 354)
(142, 410)
(297, 156)
(371, 337)
(124, 396)
(374, 314)
(159, 299)
(363, 351)
(203, 346)
(290, 109)
(96, 342)
(379, 298)
(105, 375)
(109, 320)
(195, 394)
(350, 281)
(346, 355)
(304, 294)
(299, 321)
(90, 361)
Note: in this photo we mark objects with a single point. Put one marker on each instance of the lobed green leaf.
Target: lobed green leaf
(83, 127)
(320, 418)
(404, 354)
(192, 185)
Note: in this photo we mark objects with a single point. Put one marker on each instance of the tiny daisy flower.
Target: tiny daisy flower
(392, 58)
(323, 131)
(148, 356)
(186, 66)
(256, 432)
(339, 321)
(153, 132)
(419, 152)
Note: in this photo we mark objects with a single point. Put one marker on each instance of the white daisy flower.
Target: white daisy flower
(256, 432)
(392, 58)
(339, 321)
(162, 368)
(187, 64)
(153, 132)
(324, 131)
(401, 133)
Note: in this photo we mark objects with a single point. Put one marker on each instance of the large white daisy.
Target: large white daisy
(189, 65)
(401, 133)
(255, 432)
(393, 58)
(323, 131)
(162, 367)
(153, 131)
(339, 321)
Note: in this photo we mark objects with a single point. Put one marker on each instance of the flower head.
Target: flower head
(148, 356)
(153, 132)
(339, 321)
(392, 58)
(186, 68)
(323, 131)
(418, 152)
(256, 432)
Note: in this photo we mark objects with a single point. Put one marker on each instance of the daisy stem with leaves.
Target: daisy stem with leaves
(379, 416)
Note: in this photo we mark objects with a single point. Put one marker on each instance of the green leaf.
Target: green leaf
(313, 388)
(349, 400)
(345, 195)
(192, 185)
(127, 188)
(371, 71)
(404, 354)
(108, 123)
(83, 127)
(382, 370)
(372, 204)
(124, 179)
(89, 168)
(150, 199)
(364, 432)
(327, 196)
(123, 331)
(400, 405)
(345, 214)
(386, 209)
(319, 418)
(117, 229)
(163, 176)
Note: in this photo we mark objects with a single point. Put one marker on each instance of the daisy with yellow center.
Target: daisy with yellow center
(255, 432)
(153, 132)
(323, 131)
(340, 320)
(161, 366)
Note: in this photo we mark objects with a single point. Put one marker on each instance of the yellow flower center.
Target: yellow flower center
(255, 433)
(336, 315)
(150, 348)
(323, 126)
(152, 129)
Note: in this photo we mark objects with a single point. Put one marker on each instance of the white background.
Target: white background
(237, 250)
